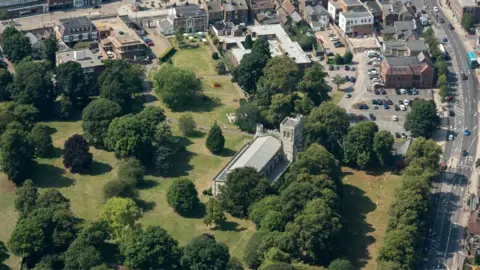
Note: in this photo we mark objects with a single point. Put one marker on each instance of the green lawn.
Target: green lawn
(366, 199)
(337, 96)
(199, 60)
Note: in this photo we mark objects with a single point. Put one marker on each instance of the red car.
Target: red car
(389, 102)
(360, 117)
(150, 44)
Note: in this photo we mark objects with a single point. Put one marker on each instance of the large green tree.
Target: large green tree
(243, 187)
(422, 120)
(16, 46)
(398, 247)
(17, 155)
(70, 81)
(281, 74)
(282, 105)
(82, 255)
(358, 145)
(182, 196)
(152, 248)
(340, 264)
(382, 145)
(120, 214)
(247, 117)
(259, 210)
(424, 153)
(51, 47)
(6, 78)
(327, 125)
(213, 213)
(294, 198)
(26, 198)
(314, 85)
(3, 255)
(41, 140)
(177, 87)
(215, 140)
(76, 155)
(96, 118)
(204, 253)
(467, 21)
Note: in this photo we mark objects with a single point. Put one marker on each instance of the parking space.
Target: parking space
(160, 43)
(323, 37)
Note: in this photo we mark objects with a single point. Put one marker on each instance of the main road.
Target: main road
(445, 226)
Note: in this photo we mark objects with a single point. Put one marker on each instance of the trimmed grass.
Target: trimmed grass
(337, 96)
(198, 59)
(366, 200)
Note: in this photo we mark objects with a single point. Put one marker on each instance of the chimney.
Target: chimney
(79, 55)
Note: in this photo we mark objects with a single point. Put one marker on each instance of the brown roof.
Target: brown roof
(288, 7)
(419, 68)
(474, 223)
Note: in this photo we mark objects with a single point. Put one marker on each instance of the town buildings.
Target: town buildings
(73, 30)
(356, 23)
(189, 18)
(270, 153)
(460, 7)
(17, 8)
(317, 17)
(89, 61)
(407, 72)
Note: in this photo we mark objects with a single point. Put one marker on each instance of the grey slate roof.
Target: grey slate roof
(77, 24)
(373, 7)
(165, 24)
(259, 153)
(404, 25)
(189, 11)
(356, 14)
(352, 2)
(402, 61)
(316, 10)
(417, 45)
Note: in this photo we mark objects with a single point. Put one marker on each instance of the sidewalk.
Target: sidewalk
(462, 34)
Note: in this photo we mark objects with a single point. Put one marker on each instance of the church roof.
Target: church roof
(259, 153)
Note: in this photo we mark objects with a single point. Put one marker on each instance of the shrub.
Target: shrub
(187, 124)
(75, 154)
(63, 109)
(215, 41)
(182, 196)
(215, 140)
(215, 56)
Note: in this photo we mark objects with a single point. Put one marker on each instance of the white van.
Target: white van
(371, 53)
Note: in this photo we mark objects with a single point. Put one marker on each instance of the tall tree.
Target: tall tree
(152, 248)
(96, 118)
(467, 21)
(131, 170)
(41, 141)
(82, 255)
(76, 155)
(26, 115)
(203, 253)
(249, 71)
(327, 125)
(247, 117)
(259, 210)
(182, 196)
(17, 47)
(213, 213)
(281, 74)
(338, 80)
(51, 47)
(3, 254)
(382, 145)
(187, 124)
(422, 119)
(282, 105)
(358, 145)
(295, 197)
(6, 78)
(314, 85)
(398, 247)
(26, 198)
(70, 80)
(425, 153)
(177, 87)
(17, 155)
(120, 213)
(340, 264)
(243, 187)
(215, 140)
(248, 42)
(262, 47)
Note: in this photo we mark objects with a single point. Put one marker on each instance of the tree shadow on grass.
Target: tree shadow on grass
(355, 208)
(146, 184)
(48, 176)
(145, 205)
(55, 153)
(204, 103)
(227, 153)
(198, 212)
(197, 134)
(98, 168)
(229, 226)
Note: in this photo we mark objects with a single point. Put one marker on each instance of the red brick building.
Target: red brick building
(407, 72)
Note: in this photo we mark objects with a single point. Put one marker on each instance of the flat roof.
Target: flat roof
(468, 3)
(357, 14)
(352, 2)
(258, 154)
(119, 31)
(89, 59)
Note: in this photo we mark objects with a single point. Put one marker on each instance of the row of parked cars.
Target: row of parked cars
(335, 40)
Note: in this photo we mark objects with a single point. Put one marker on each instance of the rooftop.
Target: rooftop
(77, 24)
(232, 5)
(352, 3)
(261, 4)
(417, 45)
(468, 3)
(336, 4)
(214, 6)
(189, 11)
(404, 25)
(86, 58)
(120, 33)
(404, 61)
(316, 10)
(262, 150)
(373, 6)
(288, 7)
(356, 14)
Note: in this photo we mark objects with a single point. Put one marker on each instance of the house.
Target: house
(118, 40)
(351, 5)
(165, 27)
(89, 61)
(399, 151)
(17, 8)
(37, 39)
(397, 11)
(334, 9)
(287, 12)
(407, 72)
(375, 8)
(73, 30)
(405, 30)
(461, 7)
(270, 18)
(415, 47)
(305, 3)
(317, 17)
(356, 23)
(404, 48)
(190, 18)
(235, 11)
(270, 153)
(260, 6)
(215, 10)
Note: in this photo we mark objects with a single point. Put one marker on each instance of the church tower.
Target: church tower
(291, 134)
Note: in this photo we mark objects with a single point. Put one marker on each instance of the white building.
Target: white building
(334, 9)
(356, 23)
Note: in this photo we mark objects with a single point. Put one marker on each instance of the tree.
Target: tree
(260, 209)
(358, 145)
(247, 117)
(248, 42)
(131, 170)
(63, 108)
(203, 253)
(119, 188)
(213, 213)
(182, 196)
(303, 105)
(398, 247)
(441, 66)
(306, 42)
(4, 254)
(314, 85)
(177, 87)
(81, 255)
(327, 125)
(187, 124)
(41, 141)
(3, 15)
(16, 46)
(70, 80)
(316, 231)
(152, 248)
(51, 47)
(340, 264)
(52, 198)
(422, 119)
(120, 213)
(6, 78)
(442, 80)
(295, 197)
(281, 106)
(338, 80)
(425, 153)
(28, 237)
(467, 21)
(281, 74)
(17, 156)
(81, 45)
(76, 155)
(215, 55)
(273, 221)
(249, 71)
(96, 118)
(27, 115)
(26, 198)
(215, 140)
(243, 187)
(262, 47)
(347, 58)
(382, 145)
(119, 81)
(220, 68)
(234, 264)
(338, 59)
(252, 256)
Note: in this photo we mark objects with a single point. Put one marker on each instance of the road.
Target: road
(445, 231)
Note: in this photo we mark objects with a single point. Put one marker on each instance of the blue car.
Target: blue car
(466, 132)
(385, 106)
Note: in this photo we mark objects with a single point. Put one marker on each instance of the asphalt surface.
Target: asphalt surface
(443, 242)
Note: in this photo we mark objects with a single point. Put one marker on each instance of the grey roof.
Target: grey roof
(356, 14)
(231, 5)
(189, 11)
(214, 6)
(259, 153)
(404, 25)
(373, 6)
(388, 29)
(77, 24)
(165, 24)
(90, 60)
(336, 4)
(401, 148)
(296, 17)
(402, 61)
(316, 10)
(33, 39)
(417, 45)
(352, 2)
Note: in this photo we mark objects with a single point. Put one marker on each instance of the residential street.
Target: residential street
(443, 247)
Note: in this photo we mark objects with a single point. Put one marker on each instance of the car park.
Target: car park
(394, 118)
(402, 107)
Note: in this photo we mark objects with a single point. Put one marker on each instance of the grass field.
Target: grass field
(199, 60)
(366, 200)
(337, 96)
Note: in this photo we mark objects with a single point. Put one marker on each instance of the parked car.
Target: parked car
(403, 91)
(464, 76)
(395, 107)
(150, 44)
(406, 102)
(336, 67)
(402, 107)
(389, 102)
(360, 117)
(352, 68)
(451, 113)
(441, 20)
(347, 79)
(352, 79)
(348, 95)
(383, 92)
(404, 135)
(385, 106)
(397, 134)
(330, 67)
(397, 91)
(464, 153)
(372, 117)
(331, 35)
(400, 102)
(377, 92)
(435, 9)
(394, 118)
(415, 91)
(347, 68)
(450, 137)
(409, 92)
(338, 45)
(450, 26)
